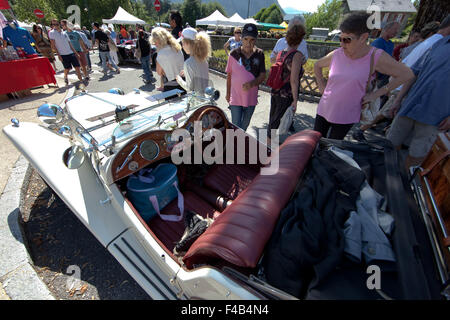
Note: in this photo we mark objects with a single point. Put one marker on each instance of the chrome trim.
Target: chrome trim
(426, 215)
(433, 202)
(128, 158)
(148, 268)
(140, 271)
(15, 122)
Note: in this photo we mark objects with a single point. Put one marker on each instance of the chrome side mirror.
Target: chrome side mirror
(50, 113)
(65, 131)
(212, 93)
(74, 157)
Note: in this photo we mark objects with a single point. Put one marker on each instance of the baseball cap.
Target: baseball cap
(188, 33)
(250, 30)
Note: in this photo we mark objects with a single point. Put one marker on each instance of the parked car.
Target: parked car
(245, 212)
(319, 34)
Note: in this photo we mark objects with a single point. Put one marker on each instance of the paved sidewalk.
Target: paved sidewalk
(18, 279)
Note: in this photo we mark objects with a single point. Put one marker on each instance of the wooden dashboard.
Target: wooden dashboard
(155, 145)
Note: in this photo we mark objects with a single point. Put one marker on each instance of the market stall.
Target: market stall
(20, 66)
(21, 74)
(126, 48)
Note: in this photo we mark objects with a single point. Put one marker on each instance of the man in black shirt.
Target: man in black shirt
(143, 45)
(175, 22)
(103, 47)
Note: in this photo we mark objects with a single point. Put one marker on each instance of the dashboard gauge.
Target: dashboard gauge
(213, 117)
(205, 122)
(133, 166)
(149, 150)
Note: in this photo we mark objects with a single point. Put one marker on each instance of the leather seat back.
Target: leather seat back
(241, 232)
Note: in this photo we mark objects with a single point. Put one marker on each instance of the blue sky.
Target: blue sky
(303, 5)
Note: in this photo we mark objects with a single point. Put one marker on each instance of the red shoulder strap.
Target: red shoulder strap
(287, 55)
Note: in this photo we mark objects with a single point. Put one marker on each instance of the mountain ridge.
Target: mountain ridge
(242, 7)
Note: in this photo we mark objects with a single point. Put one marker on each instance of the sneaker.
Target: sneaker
(118, 71)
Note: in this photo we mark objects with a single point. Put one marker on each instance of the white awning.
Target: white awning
(215, 19)
(123, 17)
(236, 20)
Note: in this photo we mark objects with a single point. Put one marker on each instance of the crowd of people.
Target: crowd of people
(409, 80)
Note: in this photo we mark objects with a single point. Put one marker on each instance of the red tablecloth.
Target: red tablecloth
(24, 74)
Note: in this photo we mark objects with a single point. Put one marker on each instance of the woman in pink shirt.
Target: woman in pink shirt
(344, 93)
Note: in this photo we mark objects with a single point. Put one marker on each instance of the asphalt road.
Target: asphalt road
(61, 247)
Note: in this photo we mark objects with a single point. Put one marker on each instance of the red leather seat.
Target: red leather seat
(230, 179)
(241, 231)
(168, 232)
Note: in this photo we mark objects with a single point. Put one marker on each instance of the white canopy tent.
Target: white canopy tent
(123, 17)
(236, 20)
(215, 19)
(251, 20)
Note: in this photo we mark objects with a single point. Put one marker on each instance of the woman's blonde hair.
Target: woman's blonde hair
(164, 37)
(201, 46)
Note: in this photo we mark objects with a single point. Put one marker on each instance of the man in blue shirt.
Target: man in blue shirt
(78, 45)
(426, 109)
(384, 43)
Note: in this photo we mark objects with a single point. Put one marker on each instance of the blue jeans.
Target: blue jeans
(104, 55)
(145, 61)
(241, 116)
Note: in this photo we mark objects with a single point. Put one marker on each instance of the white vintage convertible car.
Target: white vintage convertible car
(294, 233)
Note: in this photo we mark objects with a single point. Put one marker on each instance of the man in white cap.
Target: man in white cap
(87, 43)
(282, 43)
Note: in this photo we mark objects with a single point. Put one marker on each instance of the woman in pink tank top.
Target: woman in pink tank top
(344, 93)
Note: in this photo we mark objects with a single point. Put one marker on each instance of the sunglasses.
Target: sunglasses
(238, 32)
(55, 24)
(346, 40)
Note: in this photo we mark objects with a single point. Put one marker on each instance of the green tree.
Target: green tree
(191, 11)
(431, 10)
(257, 16)
(90, 10)
(272, 14)
(275, 17)
(210, 7)
(23, 10)
(327, 16)
(411, 20)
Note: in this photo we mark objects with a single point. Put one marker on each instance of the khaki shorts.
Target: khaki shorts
(82, 58)
(422, 136)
